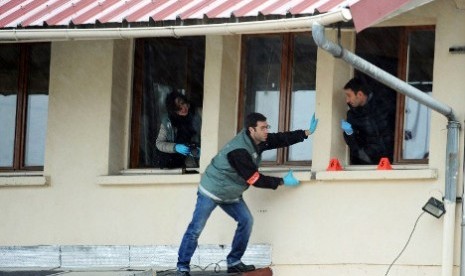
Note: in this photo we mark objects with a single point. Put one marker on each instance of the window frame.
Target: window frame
(138, 91)
(400, 107)
(286, 82)
(19, 150)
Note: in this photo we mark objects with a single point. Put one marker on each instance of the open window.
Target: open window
(408, 53)
(161, 66)
(278, 80)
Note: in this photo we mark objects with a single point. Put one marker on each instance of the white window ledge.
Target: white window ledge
(394, 174)
(17, 179)
(149, 177)
(304, 174)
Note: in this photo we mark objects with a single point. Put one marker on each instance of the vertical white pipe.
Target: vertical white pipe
(448, 239)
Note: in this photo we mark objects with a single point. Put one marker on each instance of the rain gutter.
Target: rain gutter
(266, 26)
(453, 128)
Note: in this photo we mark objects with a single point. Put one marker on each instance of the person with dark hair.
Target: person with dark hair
(369, 128)
(178, 139)
(231, 172)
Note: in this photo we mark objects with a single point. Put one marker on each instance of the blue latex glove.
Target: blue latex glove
(290, 180)
(313, 124)
(182, 149)
(347, 127)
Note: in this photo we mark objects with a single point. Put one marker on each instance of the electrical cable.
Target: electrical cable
(217, 268)
(405, 246)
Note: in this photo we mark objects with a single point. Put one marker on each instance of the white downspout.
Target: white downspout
(453, 128)
(266, 26)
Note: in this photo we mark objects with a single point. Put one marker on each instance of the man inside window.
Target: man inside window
(369, 128)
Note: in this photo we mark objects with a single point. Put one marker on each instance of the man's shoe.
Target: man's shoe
(182, 273)
(240, 267)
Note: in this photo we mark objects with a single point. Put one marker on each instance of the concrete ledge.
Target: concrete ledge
(377, 175)
(17, 180)
(159, 179)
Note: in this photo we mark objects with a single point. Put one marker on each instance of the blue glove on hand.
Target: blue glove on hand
(182, 149)
(347, 127)
(313, 124)
(290, 180)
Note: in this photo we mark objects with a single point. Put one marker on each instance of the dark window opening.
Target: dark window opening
(161, 66)
(408, 53)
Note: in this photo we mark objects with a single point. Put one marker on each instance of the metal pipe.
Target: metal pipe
(266, 26)
(462, 247)
(452, 133)
(450, 197)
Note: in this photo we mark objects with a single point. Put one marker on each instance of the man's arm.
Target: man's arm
(284, 139)
(356, 149)
(162, 142)
(242, 162)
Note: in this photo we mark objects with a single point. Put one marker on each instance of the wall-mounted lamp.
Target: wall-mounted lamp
(434, 207)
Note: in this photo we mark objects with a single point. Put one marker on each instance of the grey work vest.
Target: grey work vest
(221, 181)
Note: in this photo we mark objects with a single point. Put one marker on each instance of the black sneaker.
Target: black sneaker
(240, 267)
(182, 273)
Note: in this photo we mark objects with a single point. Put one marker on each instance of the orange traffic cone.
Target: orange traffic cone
(384, 164)
(334, 165)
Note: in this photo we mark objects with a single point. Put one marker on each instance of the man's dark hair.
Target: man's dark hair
(356, 85)
(252, 119)
(170, 102)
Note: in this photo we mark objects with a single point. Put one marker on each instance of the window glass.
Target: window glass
(263, 81)
(9, 72)
(420, 75)
(37, 105)
(279, 72)
(24, 80)
(162, 66)
(303, 93)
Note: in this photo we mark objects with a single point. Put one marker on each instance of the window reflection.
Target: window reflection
(23, 104)
(280, 72)
(419, 74)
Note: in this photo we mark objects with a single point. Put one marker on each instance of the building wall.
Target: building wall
(351, 226)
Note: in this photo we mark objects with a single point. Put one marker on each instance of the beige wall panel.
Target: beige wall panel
(319, 228)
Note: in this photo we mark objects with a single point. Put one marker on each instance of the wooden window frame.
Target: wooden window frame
(400, 108)
(137, 96)
(286, 82)
(21, 112)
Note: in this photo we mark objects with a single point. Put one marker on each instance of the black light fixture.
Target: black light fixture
(434, 207)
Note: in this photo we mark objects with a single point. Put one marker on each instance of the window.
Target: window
(278, 80)
(407, 53)
(417, 70)
(162, 65)
(24, 81)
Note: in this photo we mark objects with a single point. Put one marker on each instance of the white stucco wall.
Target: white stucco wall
(353, 226)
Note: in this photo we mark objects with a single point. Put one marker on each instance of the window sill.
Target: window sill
(149, 177)
(168, 177)
(401, 172)
(18, 179)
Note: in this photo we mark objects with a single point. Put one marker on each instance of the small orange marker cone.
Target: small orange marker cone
(384, 164)
(334, 165)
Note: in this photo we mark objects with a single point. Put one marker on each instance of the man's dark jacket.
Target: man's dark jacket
(373, 126)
